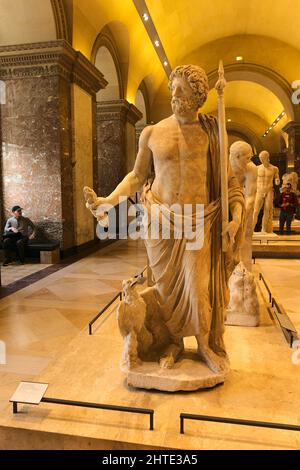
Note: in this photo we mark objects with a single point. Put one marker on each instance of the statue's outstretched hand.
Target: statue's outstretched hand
(93, 202)
(91, 198)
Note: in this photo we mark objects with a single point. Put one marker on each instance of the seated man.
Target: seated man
(16, 236)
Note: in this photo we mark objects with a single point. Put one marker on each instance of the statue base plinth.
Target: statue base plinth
(186, 375)
(258, 235)
(241, 319)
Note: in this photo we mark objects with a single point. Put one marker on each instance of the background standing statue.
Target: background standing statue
(243, 307)
(190, 291)
(267, 173)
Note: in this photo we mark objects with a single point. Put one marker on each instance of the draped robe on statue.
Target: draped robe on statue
(190, 286)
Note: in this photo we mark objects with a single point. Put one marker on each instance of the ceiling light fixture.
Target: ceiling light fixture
(239, 58)
(274, 123)
(152, 32)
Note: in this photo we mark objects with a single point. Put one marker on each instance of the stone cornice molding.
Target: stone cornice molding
(118, 110)
(292, 128)
(51, 58)
(84, 70)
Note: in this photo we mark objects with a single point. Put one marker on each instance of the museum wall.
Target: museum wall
(82, 162)
(48, 126)
(26, 22)
(31, 150)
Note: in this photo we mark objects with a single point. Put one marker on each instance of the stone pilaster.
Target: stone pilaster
(292, 128)
(116, 142)
(38, 156)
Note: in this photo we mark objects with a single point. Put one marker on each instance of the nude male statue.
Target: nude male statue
(190, 289)
(267, 173)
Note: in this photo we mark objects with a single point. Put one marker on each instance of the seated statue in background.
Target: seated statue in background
(190, 292)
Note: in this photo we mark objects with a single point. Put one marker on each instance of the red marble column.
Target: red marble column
(37, 138)
(112, 119)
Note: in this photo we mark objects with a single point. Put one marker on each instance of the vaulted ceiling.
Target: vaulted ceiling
(184, 26)
(265, 34)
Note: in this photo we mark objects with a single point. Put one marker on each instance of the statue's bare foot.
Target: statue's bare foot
(167, 362)
(171, 355)
(217, 364)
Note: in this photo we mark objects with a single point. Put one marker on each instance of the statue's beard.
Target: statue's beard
(184, 105)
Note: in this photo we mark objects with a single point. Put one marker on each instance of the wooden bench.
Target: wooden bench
(49, 251)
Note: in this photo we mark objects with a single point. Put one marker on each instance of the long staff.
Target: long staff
(223, 140)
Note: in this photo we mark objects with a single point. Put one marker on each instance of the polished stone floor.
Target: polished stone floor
(37, 322)
(44, 327)
(284, 278)
(14, 272)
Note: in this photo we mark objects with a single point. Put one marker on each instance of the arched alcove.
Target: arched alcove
(261, 76)
(253, 107)
(106, 64)
(110, 54)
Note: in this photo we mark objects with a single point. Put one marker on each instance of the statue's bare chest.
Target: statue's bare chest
(185, 144)
(264, 172)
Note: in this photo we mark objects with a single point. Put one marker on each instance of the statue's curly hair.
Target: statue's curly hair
(240, 147)
(196, 78)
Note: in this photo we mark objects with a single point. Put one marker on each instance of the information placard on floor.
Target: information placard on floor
(29, 392)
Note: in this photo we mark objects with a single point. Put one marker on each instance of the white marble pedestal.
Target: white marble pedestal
(264, 235)
(188, 374)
